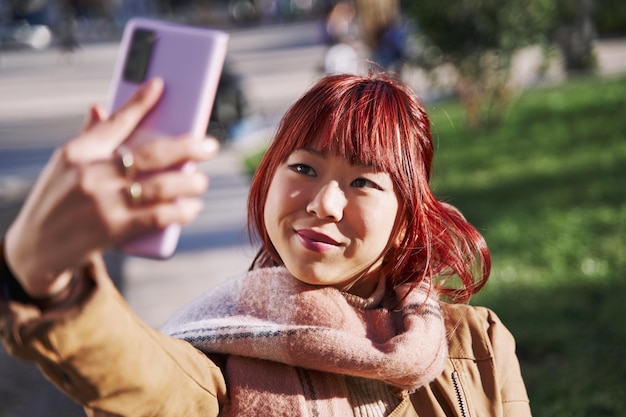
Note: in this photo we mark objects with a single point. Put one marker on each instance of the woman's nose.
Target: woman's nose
(328, 201)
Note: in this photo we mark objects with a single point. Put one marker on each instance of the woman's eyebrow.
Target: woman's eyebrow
(324, 155)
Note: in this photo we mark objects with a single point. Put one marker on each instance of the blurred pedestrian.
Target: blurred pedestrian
(66, 29)
(341, 56)
(390, 46)
(340, 23)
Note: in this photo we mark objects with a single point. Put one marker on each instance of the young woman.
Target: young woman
(355, 304)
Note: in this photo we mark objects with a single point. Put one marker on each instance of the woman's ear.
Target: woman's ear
(399, 236)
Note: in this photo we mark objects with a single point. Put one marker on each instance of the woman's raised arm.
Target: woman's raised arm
(83, 202)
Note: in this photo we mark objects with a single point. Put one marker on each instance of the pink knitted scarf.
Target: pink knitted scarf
(290, 344)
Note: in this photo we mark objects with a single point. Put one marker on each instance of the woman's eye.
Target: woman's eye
(302, 169)
(364, 182)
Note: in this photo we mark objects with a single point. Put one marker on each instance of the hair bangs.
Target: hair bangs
(364, 125)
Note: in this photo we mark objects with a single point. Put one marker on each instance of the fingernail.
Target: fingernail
(201, 181)
(209, 146)
(155, 84)
(193, 206)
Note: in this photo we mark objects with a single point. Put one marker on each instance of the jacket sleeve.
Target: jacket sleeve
(99, 353)
(514, 397)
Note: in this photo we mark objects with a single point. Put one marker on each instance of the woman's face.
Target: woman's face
(329, 220)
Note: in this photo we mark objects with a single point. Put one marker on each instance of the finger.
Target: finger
(162, 154)
(103, 138)
(157, 217)
(95, 115)
(124, 121)
(168, 186)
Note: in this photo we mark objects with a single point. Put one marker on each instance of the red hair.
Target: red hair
(377, 120)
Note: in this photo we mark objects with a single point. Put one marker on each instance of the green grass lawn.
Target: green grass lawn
(548, 191)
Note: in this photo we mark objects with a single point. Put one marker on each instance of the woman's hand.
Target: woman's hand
(82, 201)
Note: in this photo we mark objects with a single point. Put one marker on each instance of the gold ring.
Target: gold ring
(127, 161)
(135, 191)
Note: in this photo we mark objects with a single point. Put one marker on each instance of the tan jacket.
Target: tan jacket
(99, 353)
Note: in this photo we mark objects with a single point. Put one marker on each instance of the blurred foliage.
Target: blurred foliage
(546, 189)
(478, 38)
(251, 160)
(466, 28)
(610, 18)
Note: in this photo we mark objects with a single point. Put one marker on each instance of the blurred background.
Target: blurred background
(528, 109)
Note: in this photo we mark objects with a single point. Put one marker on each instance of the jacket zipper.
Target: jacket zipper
(456, 382)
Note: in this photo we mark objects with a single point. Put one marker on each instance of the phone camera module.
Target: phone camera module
(138, 57)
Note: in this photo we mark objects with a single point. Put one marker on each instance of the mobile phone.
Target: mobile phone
(190, 61)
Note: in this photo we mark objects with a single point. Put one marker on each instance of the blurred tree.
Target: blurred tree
(610, 18)
(574, 32)
(478, 38)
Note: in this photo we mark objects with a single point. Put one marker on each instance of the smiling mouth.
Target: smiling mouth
(316, 241)
(317, 237)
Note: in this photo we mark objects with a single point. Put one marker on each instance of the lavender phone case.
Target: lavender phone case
(190, 62)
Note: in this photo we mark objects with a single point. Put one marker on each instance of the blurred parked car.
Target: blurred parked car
(231, 107)
(24, 34)
(22, 24)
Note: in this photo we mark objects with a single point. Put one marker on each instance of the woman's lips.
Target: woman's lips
(316, 241)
